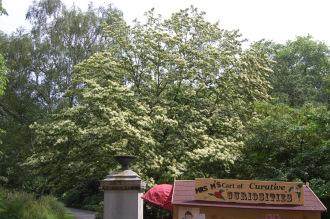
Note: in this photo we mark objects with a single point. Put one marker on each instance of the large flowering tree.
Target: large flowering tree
(175, 92)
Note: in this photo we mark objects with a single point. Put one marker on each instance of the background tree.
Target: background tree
(285, 143)
(40, 64)
(301, 70)
(3, 70)
(62, 38)
(281, 137)
(3, 82)
(2, 10)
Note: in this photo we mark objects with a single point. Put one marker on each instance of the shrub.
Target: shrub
(21, 205)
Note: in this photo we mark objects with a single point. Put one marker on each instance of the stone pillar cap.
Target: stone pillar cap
(123, 175)
(123, 180)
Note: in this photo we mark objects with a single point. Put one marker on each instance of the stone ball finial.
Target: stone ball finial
(125, 160)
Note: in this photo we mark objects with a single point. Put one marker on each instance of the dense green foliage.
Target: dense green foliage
(3, 70)
(288, 143)
(176, 93)
(3, 82)
(21, 205)
(301, 72)
(289, 138)
(180, 93)
(40, 64)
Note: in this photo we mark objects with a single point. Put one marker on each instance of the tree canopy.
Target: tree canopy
(176, 92)
(301, 72)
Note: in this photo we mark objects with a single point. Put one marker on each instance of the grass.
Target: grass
(68, 216)
(21, 205)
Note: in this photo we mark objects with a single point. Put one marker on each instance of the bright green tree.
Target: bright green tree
(177, 93)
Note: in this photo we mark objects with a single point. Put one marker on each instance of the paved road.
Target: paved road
(82, 214)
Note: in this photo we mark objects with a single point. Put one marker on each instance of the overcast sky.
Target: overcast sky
(277, 20)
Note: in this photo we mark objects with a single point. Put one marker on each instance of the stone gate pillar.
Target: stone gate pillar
(122, 192)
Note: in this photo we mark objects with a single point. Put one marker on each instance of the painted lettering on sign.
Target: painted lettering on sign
(249, 191)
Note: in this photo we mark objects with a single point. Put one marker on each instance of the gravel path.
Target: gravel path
(82, 214)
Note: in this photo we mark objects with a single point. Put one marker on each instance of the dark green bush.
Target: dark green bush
(21, 205)
(85, 195)
(326, 202)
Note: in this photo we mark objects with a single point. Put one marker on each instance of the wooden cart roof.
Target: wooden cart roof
(184, 191)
